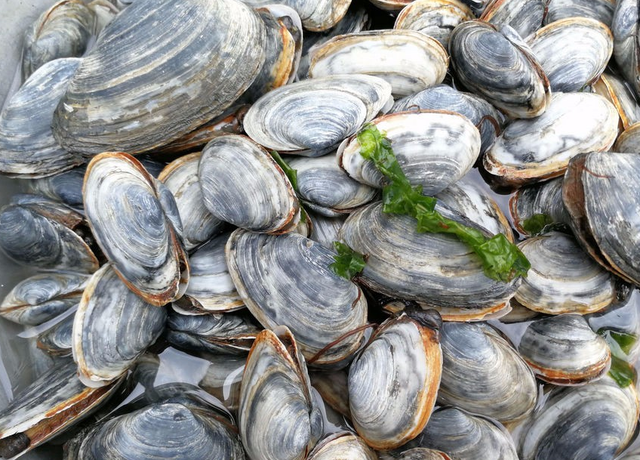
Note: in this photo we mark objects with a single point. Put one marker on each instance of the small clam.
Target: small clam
(541, 198)
(312, 116)
(564, 350)
(316, 15)
(393, 382)
(629, 140)
(410, 61)
(58, 340)
(524, 16)
(533, 150)
(133, 218)
(624, 27)
(65, 187)
(277, 416)
(499, 67)
(600, 10)
(618, 93)
(342, 446)
(434, 148)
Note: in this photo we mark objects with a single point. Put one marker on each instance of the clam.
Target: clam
(27, 145)
(224, 378)
(345, 446)
(393, 382)
(326, 189)
(410, 61)
(50, 404)
(629, 140)
(333, 387)
(243, 185)
(533, 150)
(57, 340)
(442, 97)
(604, 209)
(624, 27)
(434, 148)
(63, 31)
(134, 218)
(112, 328)
(181, 178)
(124, 100)
(277, 416)
(498, 66)
(434, 18)
(65, 187)
(286, 280)
(563, 278)
(325, 229)
(573, 52)
(42, 297)
(542, 198)
(564, 350)
(312, 116)
(39, 232)
(600, 10)
(434, 270)
(618, 93)
(421, 453)
(316, 15)
(483, 374)
(391, 5)
(524, 16)
(591, 421)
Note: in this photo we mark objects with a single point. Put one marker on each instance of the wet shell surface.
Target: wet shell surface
(629, 140)
(27, 146)
(573, 52)
(57, 340)
(533, 150)
(564, 350)
(434, 149)
(393, 382)
(483, 374)
(624, 27)
(112, 327)
(524, 16)
(132, 221)
(541, 198)
(444, 274)
(410, 61)
(313, 116)
(243, 185)
(333, 387)
(563, 278)
(124, 100)
(316, 15)
(600, 10)
(319, 307)
(326, 229)
(618, 93)
(344, 446)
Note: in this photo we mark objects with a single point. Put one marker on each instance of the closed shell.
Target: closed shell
(629, 140)
(524, 16)
(316, 15)
(624, 27)
(541, 198)
(58, 340)
(342, 446)
(618, 93)
(600, 10)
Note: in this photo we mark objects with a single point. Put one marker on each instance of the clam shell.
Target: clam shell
(316, 15)
(435, 270)
(181, 178)
(57, 341)
(436, 18)
(391, 5)
(573, 52)
(600, 10)
(420, 61)
(564, 350)
(483, 374)
(286, 280)
(223, 379)
(345, 446)
(334, 389)
(27, 145)
(618, 93)
(538, 149)
(524, 16)
(420, 453)
(313, 116)
(482, 56)
(563, 278)
(324, 187)
(629, 140)
(326, 229)
(112, 328)
(243, 185)
(393, 382)
(127, 212)
(434, 149)
(624, 27)
(591, 421)
(540, 198)
(277, 417)
(65, 187)
(124, 100)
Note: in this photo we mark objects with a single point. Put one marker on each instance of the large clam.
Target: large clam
(316, 15)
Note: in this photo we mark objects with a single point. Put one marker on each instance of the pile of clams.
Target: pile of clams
(186, 166)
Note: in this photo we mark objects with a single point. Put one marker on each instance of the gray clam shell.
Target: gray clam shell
(124, 100)
(65, 187)
(434, 149)
(345, 446)
(325, 229)
(316, 15)
(312, 116)
(421, 453)
(181, 178)
(563, 278)
(58, 340)
(482, 56)
(410, 61)
(243, 185)
(27, 145)
(624, 27)
(435, 270)
(618, 93)
(483, 374)
(223, 379)
(533, 150)
(573, 52)
(327, 189)
(134, 221)
(467, 437)
(42, 297)
(540, 198)
(600, 10)
(286, 280)
(564, 350)
(629, 140)
(592, 421)
(277, 416)
(112, 328)
(524, 16)
(163, 430)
